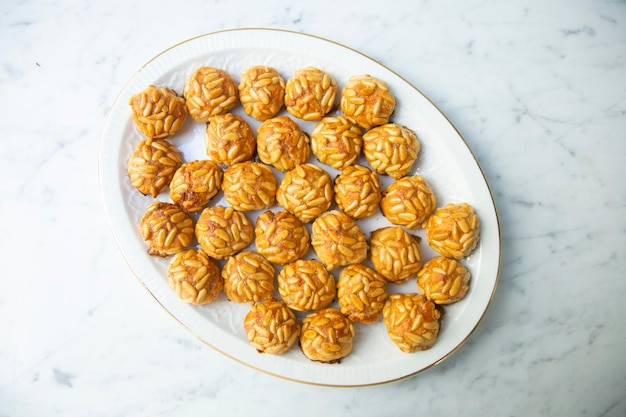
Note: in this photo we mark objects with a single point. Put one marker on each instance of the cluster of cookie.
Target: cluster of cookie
(241, 166)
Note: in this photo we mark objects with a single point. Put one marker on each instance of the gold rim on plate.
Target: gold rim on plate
(236, 49)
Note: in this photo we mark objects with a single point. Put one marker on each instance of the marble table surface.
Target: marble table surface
(538, 91)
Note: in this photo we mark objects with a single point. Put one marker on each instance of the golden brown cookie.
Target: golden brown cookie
(152, 166)
(261, 92)
(282, 144)
(223, 231)
(357, 191)
(194, 277)
(228, 139)
(281, 237)
(367, 101)
(158, 112)
(361, 293)
(209, 91)
(337, 240)
(395, 253)
(195, 183)
(443, 280)
(249, 186)
(310, 93)
(408, 202)
(248, 277)
(391, 149)
(336, 141)
(306, 191)
(271, 327)
(166, 228)
(453, 230)
(326, 336)
(412, 321)
(306, 285)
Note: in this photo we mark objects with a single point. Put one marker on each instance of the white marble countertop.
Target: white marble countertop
(538, 91)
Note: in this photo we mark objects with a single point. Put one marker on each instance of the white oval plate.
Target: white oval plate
(445, 161)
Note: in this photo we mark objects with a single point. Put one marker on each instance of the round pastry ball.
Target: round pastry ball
(271, 327)
(306, 285)
(361, 293)
(337, 240)
(228, 139)
(249, 186)
(357, 191)
(158, 112)
(367, 101)
(261, 92)
(391, 149)
(412, 321)
(443, 280)
(195, 183)
(166, 228)
(454, 230)
(281, 237)
(223, 231)
(248, 277)
(282, 144)
(310, 94)
(209, 91)
(336, 141)
(306, 191)
(194, 277)
(326, 336)
(395, 253)
(408, 202)
(152, 165)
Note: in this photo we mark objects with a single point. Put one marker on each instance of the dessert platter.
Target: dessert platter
(299, 207)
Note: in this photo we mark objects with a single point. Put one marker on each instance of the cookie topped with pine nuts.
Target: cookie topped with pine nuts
(336, 141)
(361, 293)
(395, 253)
(443, 280)
(166, 228)
(367, 101)
(391, 149)
(337, 240)
(194, 277)
(209, 91)
(248, 277)
(261, 92)
(326, 336)
(158, 112)
(357, 191)
(306, 191)
(306, 285)
(408, 202)
(223, 231)
(412, 321)
(195, 183)
(249, 186)
(453, 230)
(271, 327)
(282, 144)
(281, 237)
(228, 139)
(152, 166)
(310, 94)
